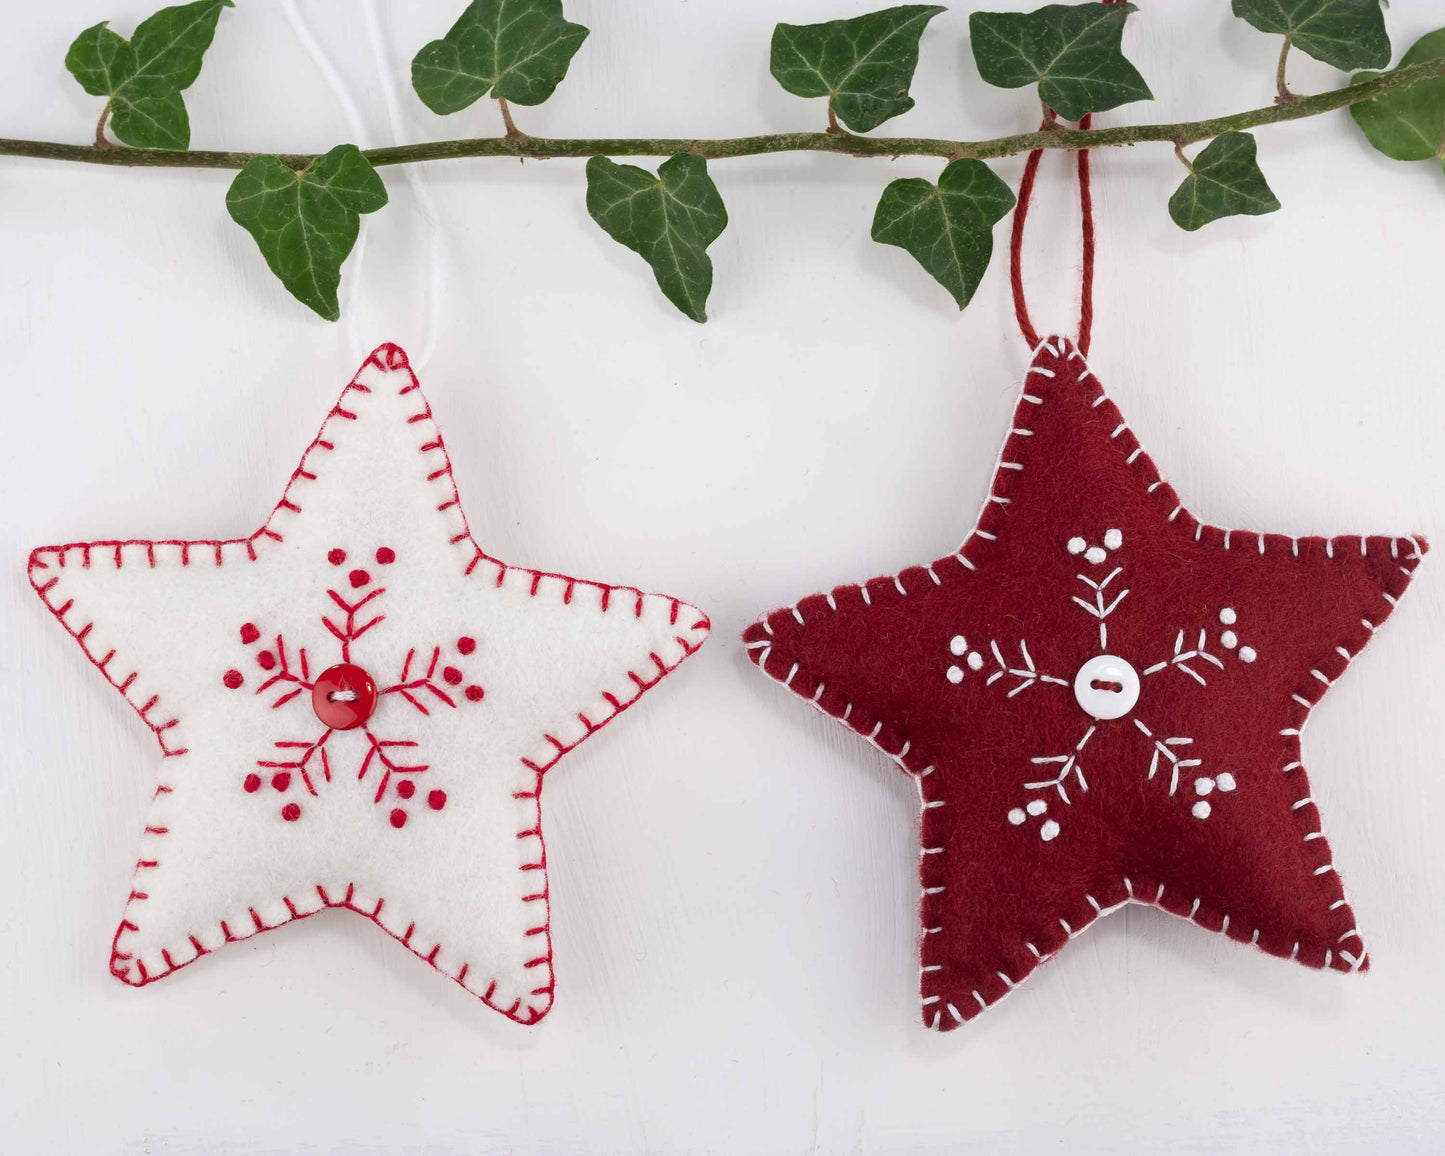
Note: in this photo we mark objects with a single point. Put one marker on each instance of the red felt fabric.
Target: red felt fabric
(998, 898)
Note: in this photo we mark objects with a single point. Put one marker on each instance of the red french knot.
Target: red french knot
(280, 781)
(291, 812)
(436, 800)
(336, 557)
(385, 556)
(398, 818)
(358, 579)
(266, 660)
(252, 783)
(344, 696)
(475, 694)
(1003, 676)
(406, 788)
(249, 633)
(466, 645)
(233, 679)
(451, 675)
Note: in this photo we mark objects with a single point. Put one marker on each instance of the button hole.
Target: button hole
(1104, 684)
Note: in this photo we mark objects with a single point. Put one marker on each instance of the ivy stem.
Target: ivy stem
(845, 143)
(1282, 93)
(101, 142)
(513, 132)
(833, 125)
(1183, 160)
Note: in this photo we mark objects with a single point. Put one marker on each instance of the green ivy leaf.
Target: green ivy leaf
(169, 45)
(1073, 52)
(669, 220)
(143, 77)
(158, 121)
(863, 66)
(306, 223)
(1225, 181)
(1344, 33)
(1407, 124)
(101, 60)
(518, 50)
(948, 227)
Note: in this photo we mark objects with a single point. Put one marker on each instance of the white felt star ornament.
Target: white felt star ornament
(357, 706)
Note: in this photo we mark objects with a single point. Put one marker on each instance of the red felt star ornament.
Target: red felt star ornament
(1101, 698)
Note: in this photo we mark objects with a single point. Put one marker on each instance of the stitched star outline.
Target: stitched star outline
(1085, 581)
(475, 678)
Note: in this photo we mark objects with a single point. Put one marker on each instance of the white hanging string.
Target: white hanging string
(416, 179)
(360, 348)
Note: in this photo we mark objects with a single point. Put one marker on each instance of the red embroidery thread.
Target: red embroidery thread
(409, 686)
(389, 358)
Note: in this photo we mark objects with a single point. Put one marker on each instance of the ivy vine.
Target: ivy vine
(303, 210)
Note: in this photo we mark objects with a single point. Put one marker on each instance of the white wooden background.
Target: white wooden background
(734, 878)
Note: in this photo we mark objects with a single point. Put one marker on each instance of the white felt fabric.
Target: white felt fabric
(465, 886)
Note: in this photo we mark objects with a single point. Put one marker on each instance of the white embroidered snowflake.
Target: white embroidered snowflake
(1107, 688)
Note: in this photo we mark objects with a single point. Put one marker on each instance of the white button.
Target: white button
(1106, 687)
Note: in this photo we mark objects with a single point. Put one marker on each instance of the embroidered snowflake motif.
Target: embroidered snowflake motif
(369, 621)
(1100, 699)
(1098, 681)
(299, 765)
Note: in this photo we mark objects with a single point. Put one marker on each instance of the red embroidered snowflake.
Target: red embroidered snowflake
(343, 753)
(344, 697)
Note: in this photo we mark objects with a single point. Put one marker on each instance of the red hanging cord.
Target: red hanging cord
(1016, 246)
(1086, 280)
(1021, 211)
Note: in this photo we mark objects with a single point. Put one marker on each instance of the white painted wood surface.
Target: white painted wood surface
(733, 876)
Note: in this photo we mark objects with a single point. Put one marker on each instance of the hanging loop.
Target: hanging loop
(1086, 212)
(1016, 245)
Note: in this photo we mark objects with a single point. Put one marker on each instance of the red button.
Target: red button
(344, 696)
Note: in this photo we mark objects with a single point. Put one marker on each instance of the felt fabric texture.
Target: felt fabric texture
(449, 682)
(1039, 815)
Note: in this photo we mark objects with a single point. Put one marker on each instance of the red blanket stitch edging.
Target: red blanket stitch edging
(388, 358)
